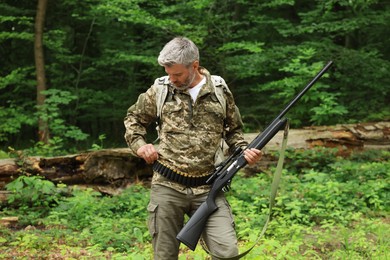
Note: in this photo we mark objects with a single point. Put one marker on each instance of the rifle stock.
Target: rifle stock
(192, 230)
(191, 233)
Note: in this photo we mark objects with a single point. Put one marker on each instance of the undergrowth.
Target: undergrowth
(327, 207)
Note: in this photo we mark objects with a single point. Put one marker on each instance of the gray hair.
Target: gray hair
(179, 50)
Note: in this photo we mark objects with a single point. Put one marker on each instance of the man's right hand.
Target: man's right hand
(148, 152)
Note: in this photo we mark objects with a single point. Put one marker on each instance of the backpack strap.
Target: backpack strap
(161, 87)
(220, 88)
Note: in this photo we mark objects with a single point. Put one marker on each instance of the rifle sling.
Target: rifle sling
(274, 188)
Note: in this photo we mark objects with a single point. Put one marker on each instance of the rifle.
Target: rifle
(223, 174)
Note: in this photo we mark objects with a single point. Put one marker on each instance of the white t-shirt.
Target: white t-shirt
(194, 91)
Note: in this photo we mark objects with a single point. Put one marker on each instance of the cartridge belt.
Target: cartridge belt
(179, 177)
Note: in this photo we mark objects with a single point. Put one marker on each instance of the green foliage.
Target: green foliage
(15, 113)
(328, 111)
(33, 197)
(323, 103)
(31, 191)
(51, 112)
(53, 148)
(78, 210)
(330, 208)
(63, 135)
(331, 190)
(11, 120)
(242, 47)
(318, 213)
(302, 160)
(371, 155)
(102, 54)
(3, 155)
(96, 147)
(116, 222)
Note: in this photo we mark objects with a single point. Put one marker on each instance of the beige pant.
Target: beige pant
(167, 208)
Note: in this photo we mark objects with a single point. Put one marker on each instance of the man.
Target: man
(192, 123)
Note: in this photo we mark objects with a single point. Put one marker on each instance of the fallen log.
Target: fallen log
(110, 169)
(344, 137)
(361, 136)
(9, 221)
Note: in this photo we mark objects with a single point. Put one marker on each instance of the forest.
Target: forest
(69, 70)
(69, 84)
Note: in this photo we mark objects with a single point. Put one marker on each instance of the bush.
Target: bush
(33, 197)
(117, 221)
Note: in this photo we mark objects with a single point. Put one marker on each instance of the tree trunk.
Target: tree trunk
(43, 129)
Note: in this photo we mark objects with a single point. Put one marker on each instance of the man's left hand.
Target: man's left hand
(252, 155)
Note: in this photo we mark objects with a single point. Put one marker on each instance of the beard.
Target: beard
(187, 83)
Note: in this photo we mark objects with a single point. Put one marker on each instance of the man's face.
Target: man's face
(180, 75)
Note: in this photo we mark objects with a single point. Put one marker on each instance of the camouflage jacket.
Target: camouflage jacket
(190, 132)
